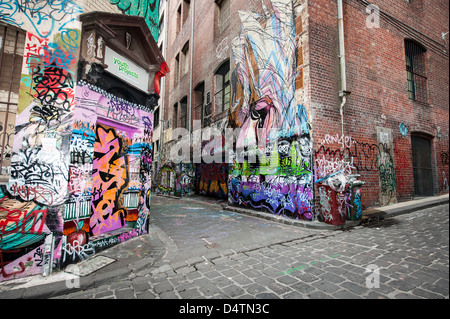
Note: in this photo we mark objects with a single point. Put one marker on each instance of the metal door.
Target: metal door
(423, 176)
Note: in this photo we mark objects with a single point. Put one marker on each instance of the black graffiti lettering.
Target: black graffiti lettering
(54, 91)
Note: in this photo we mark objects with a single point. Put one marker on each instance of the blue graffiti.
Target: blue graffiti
(53, 14)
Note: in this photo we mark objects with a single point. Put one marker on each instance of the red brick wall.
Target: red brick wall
(211, 49)
(377, 79)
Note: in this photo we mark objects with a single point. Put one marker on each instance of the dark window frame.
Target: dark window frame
(223, 94)
(415, 56)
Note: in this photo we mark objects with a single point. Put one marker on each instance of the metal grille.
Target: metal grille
(415, 68)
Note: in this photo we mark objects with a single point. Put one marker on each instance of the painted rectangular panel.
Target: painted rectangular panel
(126, 70)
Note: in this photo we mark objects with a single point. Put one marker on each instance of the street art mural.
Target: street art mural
(32, 202)
(166, 179)
(111, 182)
(23, 227)
(105, 178)
(81, 157)
(184, 184)
(148, 9)
(176, 179)
(212, 179)
(110, 177)
(266, 109)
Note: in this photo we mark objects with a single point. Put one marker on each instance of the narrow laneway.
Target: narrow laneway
(402, 257)
(199, 226)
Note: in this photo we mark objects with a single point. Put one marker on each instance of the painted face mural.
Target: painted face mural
(110, 177)
(266, 108)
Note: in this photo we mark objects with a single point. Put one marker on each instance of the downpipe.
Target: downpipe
(344, 101)
(343, 93)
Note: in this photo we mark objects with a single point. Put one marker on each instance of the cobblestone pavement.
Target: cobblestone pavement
(411, 252)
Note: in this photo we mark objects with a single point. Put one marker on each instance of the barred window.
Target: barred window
(183, 112)
(415, 68)
(222, 88)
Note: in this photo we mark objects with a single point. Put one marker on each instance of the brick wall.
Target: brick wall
(377, 79)
(378, 106)
(211, 48)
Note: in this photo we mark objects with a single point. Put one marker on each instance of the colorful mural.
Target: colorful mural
(213, 179)
(265, 108)
(81, 158)
(106, 178)
(32, 202)
(148, 9)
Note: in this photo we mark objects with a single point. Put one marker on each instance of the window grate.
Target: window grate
(415, 68)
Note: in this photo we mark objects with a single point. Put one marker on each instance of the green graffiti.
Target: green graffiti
(148, 9)
(302, 267)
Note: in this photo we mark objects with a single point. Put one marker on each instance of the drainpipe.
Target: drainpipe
(191, 58)
(343, 93)
(162, 128)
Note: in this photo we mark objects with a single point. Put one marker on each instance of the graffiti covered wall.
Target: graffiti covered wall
(176, 180)
(108, 185)
(32, 202)
(81, 158)
(109, 173)
(265, 106)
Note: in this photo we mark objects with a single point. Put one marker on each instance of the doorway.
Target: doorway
(422, 168)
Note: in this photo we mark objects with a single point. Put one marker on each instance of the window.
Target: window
(203, 107)
(156, 118)
(12, 42)
(186, 9)
(175, 116)
(183, 112)
(415, 68)
(177, 68)
(179, 19)
(222, 88)
(185, 59)
(223, 16)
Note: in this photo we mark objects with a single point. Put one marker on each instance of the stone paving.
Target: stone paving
(411, 253)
